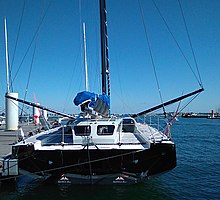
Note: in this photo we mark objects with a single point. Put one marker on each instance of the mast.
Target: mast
(6, 56)
(11, 106)
(85, 57)
(104, 49)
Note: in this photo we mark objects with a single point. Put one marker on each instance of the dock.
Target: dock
(8, 138)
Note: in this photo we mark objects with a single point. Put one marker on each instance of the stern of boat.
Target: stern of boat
(165, 157)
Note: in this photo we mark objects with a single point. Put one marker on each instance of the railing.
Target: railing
(156, 121)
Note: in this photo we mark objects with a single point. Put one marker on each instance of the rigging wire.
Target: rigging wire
(19, 107)
(71, 82)
(34, 37)
(75, 61)
(29, 75)
(178, 45)
(190, 42)
(188, 103)
(170, 122)
(16, 43)
(89, 162)
(151, 57)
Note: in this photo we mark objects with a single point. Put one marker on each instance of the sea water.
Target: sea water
(196, 176)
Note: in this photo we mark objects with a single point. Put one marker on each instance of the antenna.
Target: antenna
(6, 56)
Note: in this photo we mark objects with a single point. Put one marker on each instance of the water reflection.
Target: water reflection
(151, 189)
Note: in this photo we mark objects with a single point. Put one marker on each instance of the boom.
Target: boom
(168, 102)
(39, 106)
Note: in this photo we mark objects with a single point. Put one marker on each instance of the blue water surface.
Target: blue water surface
(197, 175)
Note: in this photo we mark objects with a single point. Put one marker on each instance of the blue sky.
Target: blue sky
(57, 69)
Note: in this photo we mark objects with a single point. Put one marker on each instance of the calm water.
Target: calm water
(197, 175)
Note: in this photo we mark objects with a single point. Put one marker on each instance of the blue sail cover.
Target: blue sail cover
(92, 101)
(84, 97)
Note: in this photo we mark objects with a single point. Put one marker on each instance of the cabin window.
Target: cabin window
(82, 130)
(105, 129)
(63, 134)
(128, 125)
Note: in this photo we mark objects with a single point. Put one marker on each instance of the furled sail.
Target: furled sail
(89, 101)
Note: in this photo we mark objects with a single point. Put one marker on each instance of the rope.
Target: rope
(35, 35)
(152, 59)
(72, 87)
(16, 43)
(188, 103)
(19, 107)
(190, 42)
(178, 45)
(29, 75)
(181, 109)
(90, 167)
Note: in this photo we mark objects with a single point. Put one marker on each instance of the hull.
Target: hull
(97, 166)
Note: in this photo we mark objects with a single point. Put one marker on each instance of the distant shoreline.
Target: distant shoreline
(200, 115)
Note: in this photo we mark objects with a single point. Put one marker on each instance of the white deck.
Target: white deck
(141, 138)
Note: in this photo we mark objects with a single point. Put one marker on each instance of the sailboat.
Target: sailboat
(97, 147)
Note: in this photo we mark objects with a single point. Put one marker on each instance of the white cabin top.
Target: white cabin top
(103, 133)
